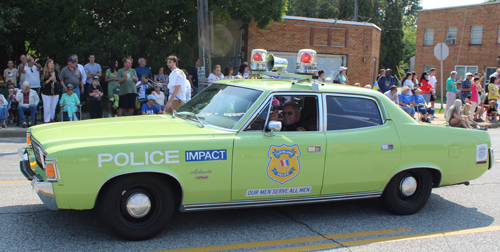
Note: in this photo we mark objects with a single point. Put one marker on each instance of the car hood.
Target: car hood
(122, 130)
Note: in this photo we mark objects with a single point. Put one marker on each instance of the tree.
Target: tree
(125, 28)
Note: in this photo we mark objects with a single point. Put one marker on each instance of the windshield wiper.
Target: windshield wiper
(191, 114)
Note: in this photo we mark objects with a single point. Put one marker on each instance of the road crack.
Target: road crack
(312, 230)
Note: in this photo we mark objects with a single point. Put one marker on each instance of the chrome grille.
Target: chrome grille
(39, 153)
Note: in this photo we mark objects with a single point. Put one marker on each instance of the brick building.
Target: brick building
(472, 34)
(338, 43)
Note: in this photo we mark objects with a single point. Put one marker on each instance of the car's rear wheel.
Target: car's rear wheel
(407, 192)
(137, 207)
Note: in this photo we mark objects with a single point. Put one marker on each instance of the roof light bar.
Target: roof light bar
(258, 60)
(306, 62)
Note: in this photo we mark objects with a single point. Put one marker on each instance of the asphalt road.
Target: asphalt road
(456, 218)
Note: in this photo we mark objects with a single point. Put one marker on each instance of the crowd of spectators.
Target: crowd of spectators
(31, 89)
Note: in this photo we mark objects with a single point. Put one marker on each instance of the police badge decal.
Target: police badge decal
(284, 164)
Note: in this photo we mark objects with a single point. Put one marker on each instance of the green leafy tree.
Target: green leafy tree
(119, 29)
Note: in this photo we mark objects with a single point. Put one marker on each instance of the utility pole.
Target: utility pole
(356, 10)
(203, 39)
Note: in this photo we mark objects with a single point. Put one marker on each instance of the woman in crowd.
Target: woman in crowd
(161, 77)
(95, 103)
(407, 81)
(456, 119)
(426, 87)
(474, 96)
(70, 102)
(228, 73)
(110, 78)
(414, 79)
(160, 96)
(341, 77)
(4, 111)
(243, 71)
(216, 75)
(321, 75)
(11, 98)
(50, 91)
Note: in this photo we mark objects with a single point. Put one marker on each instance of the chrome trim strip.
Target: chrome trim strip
(143, 171)
(276, 202)
(356, 96)
(492, 158)
(45, 193)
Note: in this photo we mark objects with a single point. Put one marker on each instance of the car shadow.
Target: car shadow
(81, 230)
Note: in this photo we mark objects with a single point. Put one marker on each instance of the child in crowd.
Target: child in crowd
(492, 112)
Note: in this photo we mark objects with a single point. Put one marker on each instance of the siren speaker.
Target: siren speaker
(276, 63)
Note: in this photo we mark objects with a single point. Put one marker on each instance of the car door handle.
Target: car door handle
(313, 148)
(387, 147)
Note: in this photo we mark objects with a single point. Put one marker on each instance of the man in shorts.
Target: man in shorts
(127, 77)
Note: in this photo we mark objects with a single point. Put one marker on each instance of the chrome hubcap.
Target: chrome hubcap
(408, 186)
(138, 205)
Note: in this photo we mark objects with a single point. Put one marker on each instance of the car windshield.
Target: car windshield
(220, 105)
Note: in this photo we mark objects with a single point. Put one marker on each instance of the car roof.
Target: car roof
(294, 85)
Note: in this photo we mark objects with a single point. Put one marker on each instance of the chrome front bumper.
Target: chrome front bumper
(43, 189)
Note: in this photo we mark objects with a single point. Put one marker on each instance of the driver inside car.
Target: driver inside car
(291, 117)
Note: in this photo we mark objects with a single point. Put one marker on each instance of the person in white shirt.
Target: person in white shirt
(28, 100)
(176, 86)
(228, 73)
(433, 80)
(32, 73)
(141, 86)
(216, 75)
(407, 81)
(188, 86)
(160, 96)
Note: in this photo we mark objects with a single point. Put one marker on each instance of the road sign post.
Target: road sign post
(441, 52)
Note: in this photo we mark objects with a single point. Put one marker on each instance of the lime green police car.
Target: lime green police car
(274, 139)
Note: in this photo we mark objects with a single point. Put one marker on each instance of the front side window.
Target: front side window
(476, 35)
(345, 113)
(429, 37)
(219, 105)
(295, 112)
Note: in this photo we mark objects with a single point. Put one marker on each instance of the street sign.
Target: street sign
(441, 51)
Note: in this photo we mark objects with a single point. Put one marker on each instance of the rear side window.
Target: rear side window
(351, 113)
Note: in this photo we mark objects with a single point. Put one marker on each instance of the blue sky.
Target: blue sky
(432, 4)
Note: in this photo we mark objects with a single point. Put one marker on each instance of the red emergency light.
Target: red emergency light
(257, 57)
(306, 58)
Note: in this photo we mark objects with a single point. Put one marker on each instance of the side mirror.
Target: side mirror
(273, 126)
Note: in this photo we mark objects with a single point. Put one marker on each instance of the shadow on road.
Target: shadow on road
(82, 230)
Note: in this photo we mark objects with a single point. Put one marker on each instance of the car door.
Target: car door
(281, 164)
(362, 147)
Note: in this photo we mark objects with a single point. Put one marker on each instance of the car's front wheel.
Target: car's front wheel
(407, 192)
(137, 207)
